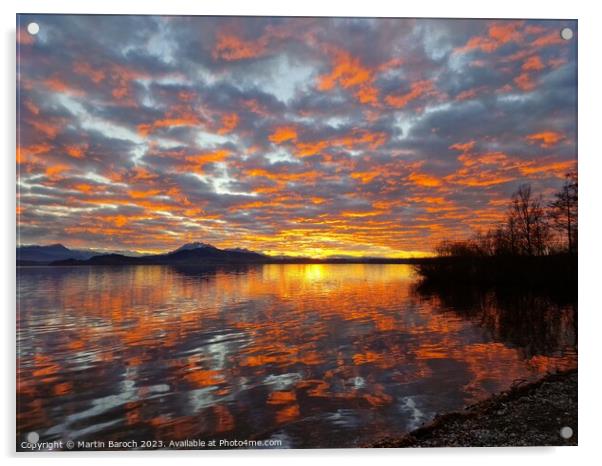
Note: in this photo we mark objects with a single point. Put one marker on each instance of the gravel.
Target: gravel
(526, 415)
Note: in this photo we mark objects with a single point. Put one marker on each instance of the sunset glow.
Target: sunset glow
(299, 136)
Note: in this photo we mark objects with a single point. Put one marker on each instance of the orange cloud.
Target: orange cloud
(365, 176)
(533, 63)
(54, 170)
(422, 179)
(120, 92)
(498, 34)
(84, 188)
(367, 95)
(558, 169)
(282, 134)
(33, 108)
(46, 128)
(485, 179)
(488, 169)
(489, 158)
(303, 176)
(352, 140)
(229, 122)
(230, 47)
(121, 77)
(307, 149)
(117, 220)
(143, 194)
(142, 174)
(524, 82)
(553, 38)
(59, 86)
(254, 106)
(347, 72)
(417, 89)
(467, 94)
(465, 147)
(546, 138)
(492, 168)
(83, 68)
(75, 151)
(187, 120)
(427, 199)
(25, 152)
(371, 139)
(198, 161)
(503, 33)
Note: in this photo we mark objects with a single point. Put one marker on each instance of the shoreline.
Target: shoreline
(75, 263)
(530, 414)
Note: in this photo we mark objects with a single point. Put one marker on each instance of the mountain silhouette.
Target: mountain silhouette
(50, 253)
(195, 245)
(188, 254)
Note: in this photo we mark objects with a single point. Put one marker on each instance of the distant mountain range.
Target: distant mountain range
(51, 253)
(192, 254)
(188, 254)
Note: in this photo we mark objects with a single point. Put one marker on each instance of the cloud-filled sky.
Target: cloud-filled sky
(313, 136)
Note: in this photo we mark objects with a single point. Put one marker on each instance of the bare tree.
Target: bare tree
(528, 218)
(512, 235)
(563, 211)
(525, 231)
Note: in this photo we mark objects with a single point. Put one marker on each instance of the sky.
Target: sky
(298, 136)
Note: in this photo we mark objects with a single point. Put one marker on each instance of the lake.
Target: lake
(316, 355)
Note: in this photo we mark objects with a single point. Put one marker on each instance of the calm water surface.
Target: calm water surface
(312, 355)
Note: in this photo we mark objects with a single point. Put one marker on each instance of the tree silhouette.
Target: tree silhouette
(517, 253)
(563, 211)
(528, 215)
(527, 228)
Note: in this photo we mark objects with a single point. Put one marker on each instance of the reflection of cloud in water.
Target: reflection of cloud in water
(415, 417)
(323, 354)
(201, 398)
(344, 418)
(282, 381)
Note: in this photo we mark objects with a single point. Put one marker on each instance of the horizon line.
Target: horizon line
(342, 256)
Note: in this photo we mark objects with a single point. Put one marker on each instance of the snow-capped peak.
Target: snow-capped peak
(195, 245)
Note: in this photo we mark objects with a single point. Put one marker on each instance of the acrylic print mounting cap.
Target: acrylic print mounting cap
(278, 232)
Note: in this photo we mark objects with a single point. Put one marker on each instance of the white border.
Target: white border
(590, 157)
